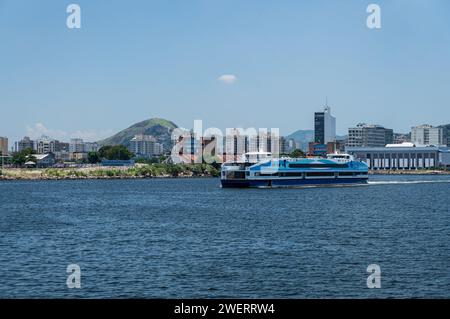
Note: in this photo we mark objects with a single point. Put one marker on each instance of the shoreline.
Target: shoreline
(100, 178)
(101, 172)
(145, 172)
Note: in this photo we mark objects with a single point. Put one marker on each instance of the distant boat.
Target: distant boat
(259, 169)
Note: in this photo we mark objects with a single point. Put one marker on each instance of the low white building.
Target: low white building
(401, 157)
(45, 160)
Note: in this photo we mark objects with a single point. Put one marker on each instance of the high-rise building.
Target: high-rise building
(90, 147)
(4, 146)
(238, 142)
(235, 143)
(324, 133)
(76, 145)
(324, 126)
(25, 143)
(446, 129)
(45, 145)
(265, 142)
(424, 135)
(367, 135)
(57, 146)
(158, 149)
(145, 145)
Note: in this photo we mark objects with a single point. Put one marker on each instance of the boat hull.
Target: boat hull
(290, 182)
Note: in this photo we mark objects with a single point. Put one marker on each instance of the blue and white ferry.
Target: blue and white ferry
(259, 169)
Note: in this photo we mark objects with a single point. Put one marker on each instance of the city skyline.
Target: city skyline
(231, 64)
(64, 137)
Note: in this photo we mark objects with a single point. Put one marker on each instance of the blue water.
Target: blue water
(189, 238)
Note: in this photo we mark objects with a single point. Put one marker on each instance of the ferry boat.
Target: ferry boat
(259, 169)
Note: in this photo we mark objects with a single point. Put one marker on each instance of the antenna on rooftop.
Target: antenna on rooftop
(327, 108)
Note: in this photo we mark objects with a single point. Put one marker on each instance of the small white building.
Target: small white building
(44, 160)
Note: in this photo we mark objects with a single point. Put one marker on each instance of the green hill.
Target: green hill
(302, 136)
(159, 128)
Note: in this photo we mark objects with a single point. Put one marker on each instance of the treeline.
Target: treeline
(110, 152)
(116, 152)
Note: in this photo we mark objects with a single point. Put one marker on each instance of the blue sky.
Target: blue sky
(133, 60)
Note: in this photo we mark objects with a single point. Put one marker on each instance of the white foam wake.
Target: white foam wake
(407, 182)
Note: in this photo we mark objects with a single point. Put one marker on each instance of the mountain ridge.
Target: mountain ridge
(161, 129)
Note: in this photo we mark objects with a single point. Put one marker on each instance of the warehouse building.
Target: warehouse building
(403, 156)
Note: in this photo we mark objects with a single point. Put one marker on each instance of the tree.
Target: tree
(174, 170)
(93, 157)
(20, 158)
(162, 158)
(297, 153)
(116, 152)
(211, 159)
(103, 151)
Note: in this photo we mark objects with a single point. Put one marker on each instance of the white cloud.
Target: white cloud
(39, 129)
(227, 79)
(92, 135)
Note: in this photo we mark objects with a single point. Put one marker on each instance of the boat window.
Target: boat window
(298, 165)
(315, 174)
(291, 174)
(269, 174)
(235, 175)
(346, 174)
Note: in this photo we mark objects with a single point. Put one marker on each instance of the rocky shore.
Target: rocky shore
(138, 171)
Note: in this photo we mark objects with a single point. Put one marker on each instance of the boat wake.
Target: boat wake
(369, 183)
(406, 182)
